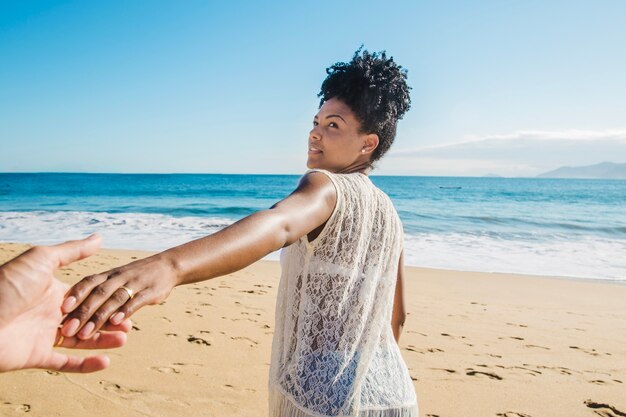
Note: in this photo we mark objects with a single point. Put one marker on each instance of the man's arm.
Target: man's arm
(398, 315)
(98, 298)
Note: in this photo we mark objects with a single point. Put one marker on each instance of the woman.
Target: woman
(333, 352)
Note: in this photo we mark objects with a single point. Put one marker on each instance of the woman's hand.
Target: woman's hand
(115, 295)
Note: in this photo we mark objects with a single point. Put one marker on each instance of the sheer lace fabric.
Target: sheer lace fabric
(333, 351)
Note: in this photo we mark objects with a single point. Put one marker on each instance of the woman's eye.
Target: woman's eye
(314, 123)
(333, 124)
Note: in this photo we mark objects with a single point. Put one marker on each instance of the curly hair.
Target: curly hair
(375, 89)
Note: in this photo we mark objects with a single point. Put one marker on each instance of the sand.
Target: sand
(476, 344)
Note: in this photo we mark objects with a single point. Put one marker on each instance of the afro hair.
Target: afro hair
(375, 89)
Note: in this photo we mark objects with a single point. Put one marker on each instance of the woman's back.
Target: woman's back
(333, 351)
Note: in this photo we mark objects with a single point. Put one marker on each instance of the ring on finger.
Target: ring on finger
(60, 341)
(130, 292)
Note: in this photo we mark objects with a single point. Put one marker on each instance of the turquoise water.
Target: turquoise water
(559, 227)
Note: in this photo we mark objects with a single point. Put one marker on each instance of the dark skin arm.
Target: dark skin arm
(98, 298)
(398, 315)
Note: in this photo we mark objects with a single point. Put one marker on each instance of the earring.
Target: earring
(362, 150)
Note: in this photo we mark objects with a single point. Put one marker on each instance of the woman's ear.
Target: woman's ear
(370, 143)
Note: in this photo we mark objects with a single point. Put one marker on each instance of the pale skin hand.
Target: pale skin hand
(30, 300)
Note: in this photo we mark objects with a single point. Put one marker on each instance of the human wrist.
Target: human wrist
(172, 264)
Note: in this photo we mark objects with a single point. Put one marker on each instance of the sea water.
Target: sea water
(560, 227)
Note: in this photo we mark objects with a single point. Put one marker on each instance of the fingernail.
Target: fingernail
(70, 328)
(117, 318)
(68, 304)
(93, 236)
(86, 330)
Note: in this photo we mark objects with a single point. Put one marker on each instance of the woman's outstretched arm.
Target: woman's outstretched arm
(98, 298)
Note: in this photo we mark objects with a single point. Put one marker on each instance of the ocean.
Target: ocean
(558, 227)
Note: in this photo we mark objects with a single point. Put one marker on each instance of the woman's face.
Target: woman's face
(335, 143)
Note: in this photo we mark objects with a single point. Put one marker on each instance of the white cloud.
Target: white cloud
(522, 153)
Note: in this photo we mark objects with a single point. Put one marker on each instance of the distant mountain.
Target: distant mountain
(492, 176)
(604, 170)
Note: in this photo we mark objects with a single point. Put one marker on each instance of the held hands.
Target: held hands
(30, 300)
(115, 295)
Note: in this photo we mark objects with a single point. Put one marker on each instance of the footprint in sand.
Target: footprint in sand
(559, 369)
(450, 371)
(7, 406)
(250, 341)
(491, 375)
(252, 308)
(458, 315)
(257, 292)
(604, 410)
(117, 388)
(197, 340)
(537, 346)
(165, 369)
(236, 319)
(512, 337)
(512, 414)
(412, 348)
(528, 371)
(591, 352)
(517, 325)
(413, 331)
(603, 382)
(239, 389)
(493, 355)
(574, 328)
(454, 337)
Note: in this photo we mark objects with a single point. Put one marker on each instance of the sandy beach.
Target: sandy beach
(476, 345)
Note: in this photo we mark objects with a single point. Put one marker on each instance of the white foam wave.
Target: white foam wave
(151, 232)
(584, 257)
(588, 257)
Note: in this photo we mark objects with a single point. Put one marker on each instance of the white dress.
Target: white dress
(333, 350)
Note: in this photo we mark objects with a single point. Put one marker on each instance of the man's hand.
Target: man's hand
(30, 312)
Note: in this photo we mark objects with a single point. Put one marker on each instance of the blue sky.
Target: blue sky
(506, 87)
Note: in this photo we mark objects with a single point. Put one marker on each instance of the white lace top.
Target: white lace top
(333, 351)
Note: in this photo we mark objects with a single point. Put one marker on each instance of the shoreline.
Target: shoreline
(470, 340)
(620, 282)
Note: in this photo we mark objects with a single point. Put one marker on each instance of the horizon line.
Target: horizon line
(486, 176)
